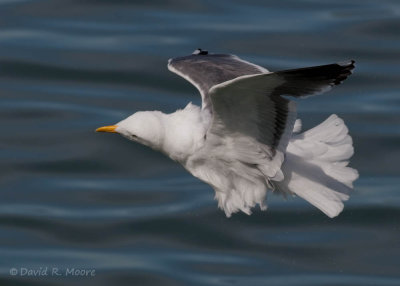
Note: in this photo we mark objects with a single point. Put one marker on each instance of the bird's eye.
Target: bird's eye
(134, 136)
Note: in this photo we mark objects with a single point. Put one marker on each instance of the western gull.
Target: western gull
(245, 140)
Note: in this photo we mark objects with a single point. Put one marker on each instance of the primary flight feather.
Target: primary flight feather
(245, 140)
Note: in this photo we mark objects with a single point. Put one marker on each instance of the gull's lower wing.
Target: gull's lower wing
(254, 122)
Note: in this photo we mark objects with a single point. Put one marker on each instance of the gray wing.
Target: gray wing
(254, 123)
(205, 70)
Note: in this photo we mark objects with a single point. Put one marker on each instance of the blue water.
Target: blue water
(71, 198)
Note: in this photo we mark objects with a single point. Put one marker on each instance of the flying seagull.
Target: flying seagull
(245, 140)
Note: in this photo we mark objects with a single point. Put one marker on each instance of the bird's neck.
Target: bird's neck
(184, 132)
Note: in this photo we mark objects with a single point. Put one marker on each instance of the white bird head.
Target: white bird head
(144, 127)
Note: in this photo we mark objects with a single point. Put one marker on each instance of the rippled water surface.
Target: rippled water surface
(71, 198)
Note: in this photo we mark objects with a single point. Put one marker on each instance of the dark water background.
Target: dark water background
(72, 198)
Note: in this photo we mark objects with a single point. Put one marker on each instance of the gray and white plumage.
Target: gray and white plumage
(242, 141)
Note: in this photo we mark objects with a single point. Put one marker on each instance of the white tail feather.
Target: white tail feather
(315, 166)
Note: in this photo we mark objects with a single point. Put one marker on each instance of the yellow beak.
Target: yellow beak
(110, 128)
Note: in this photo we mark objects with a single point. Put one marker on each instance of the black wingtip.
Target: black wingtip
(200, 52)
(346, 69)
(347, 64)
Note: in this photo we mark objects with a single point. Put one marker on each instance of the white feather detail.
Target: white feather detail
(297, 126)
(315, 166)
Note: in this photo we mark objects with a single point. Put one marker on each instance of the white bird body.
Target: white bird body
(245, 139)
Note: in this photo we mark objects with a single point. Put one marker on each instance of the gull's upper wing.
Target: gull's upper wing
(205, 70)
(253, 122)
